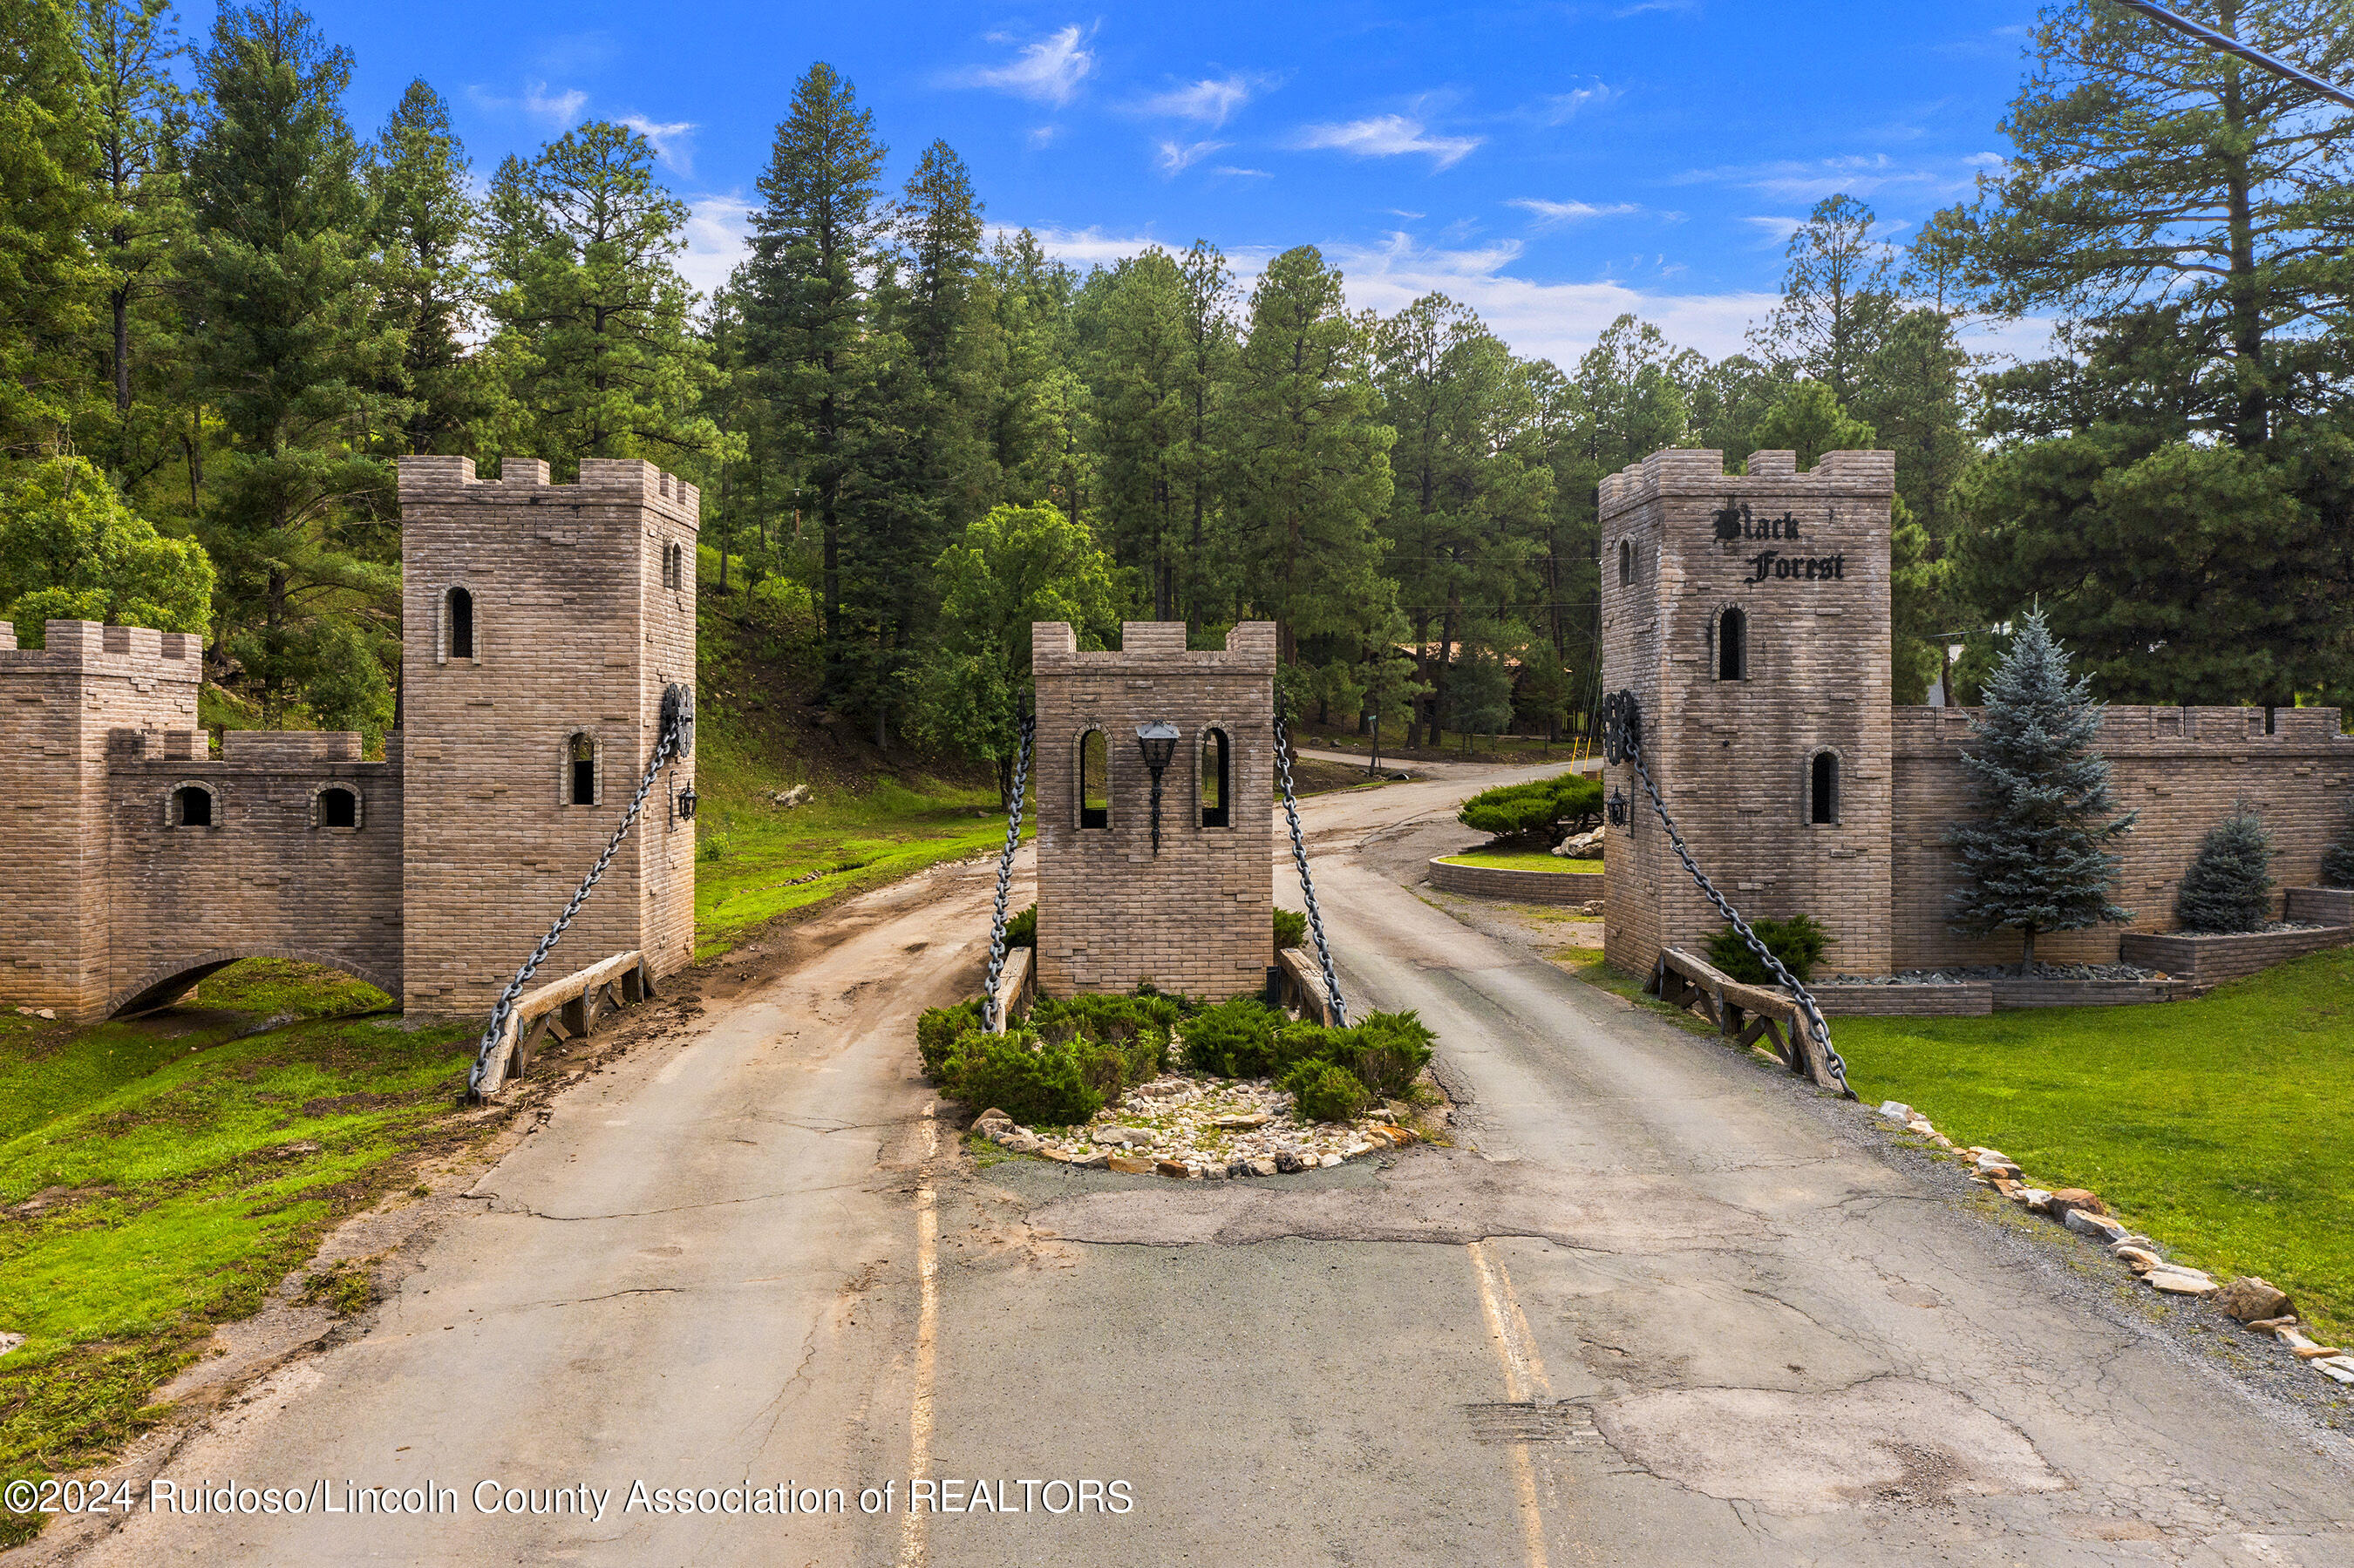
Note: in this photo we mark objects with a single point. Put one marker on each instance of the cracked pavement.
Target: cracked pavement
(1660, 1305)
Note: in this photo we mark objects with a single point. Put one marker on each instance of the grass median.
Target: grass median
(1525, 860)
(2218, 1127)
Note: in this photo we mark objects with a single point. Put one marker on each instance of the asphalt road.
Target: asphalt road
(1662, 1305)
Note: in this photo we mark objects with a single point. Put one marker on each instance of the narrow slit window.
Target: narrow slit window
(1625, 562)
(1217, 780)
(1094, 780)
(338, 809)
(1733, 645)
(581, 751)
(461, 624)
(1822, 790)
(192, 807)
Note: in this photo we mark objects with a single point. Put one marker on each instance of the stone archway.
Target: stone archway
(166, 983)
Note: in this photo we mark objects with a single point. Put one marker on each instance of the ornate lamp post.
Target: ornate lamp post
(1158, 742)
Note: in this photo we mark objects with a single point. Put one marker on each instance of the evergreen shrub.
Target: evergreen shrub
(1325, 1092)
(1235, 1039)
(1022, 930)
(2338, 861)
(1290, 929)
(2229, 887)
(1798, 942)
(1549, 809)
(1035, 1082)
(938, 1032)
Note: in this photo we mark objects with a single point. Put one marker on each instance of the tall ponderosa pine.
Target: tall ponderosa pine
(1142, 374)
(596, 347)
(426, 232)
(1837, 299)
(2229, 887)
(814, 244)
(287, 346)
(49, 204)
(1312, 477)
(2035, 861)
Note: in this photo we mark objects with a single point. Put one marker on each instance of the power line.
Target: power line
(2248, 52)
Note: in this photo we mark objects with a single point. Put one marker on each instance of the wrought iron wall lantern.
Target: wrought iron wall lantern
(684, 803)
(1617, 808)
(1158, 742)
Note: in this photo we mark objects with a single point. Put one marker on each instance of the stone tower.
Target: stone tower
(1749, 615)
(540, 624)
(93, 690)
(1197, 917)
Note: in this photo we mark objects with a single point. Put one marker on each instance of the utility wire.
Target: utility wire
(2248, 52)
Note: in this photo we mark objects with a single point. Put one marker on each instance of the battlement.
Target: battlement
(523, 481)
(87, 645)
(2148, 730)
(1055, 648)
(1700, 471)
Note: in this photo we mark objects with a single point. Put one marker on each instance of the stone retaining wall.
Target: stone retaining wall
(2021, 993)
(2321, 906)
(2206, 960)
(1969, 999)
(1519, 887)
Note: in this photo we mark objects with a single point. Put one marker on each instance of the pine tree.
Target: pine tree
(1837, 299)
(427, 233)
(286, 350)
(2035, 861)
(2229, 887)
(2338, 861)
(814, 244)
(1141, 371)
(49, 283)
(1311, 478)
(597, 344)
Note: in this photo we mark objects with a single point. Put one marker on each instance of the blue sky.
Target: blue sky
(1550, 165)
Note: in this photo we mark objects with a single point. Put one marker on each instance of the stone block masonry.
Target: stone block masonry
(1197, 918)
(1749, 615)
(535, 617)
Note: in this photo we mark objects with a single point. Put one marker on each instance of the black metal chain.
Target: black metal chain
(1005, 872)
(1299, 859)
(1623, 742)
(677, 738)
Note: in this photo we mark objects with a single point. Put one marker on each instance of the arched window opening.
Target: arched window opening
(674, 566)
(1822, 790)
(1733, 645)
(1217, 779)
(1094, 780)
(338, 809)
(192, 807)
(1625, 562)
(581, 752)
(461, 624)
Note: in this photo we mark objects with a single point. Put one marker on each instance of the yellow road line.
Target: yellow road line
(1524, 1378)
(928, 1326)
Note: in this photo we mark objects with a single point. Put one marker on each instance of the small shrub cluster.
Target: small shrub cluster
(1022, 930)
(1030, 1079)
(1248, 1039)
(1290, 929)
(1546, 811)
(1798, 942)
(2338, 861)
(1324, 1091)
(2229, 887)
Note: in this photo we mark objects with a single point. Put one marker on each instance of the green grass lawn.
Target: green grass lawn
(1523, 860)
(161, 1176)
(2218, 1127)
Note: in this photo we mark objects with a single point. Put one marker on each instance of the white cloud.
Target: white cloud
(718, 230)
(1040, 135)
(1048, 71)
(1387, 136)
(1552, 214)
(1855, 174)
(1777, 228)
(1242, 174)
(561, 110)
(1176, 157)
(1210, 101)
(667, 141)
(1559, 108)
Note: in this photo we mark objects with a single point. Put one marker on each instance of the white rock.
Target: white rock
(2100, 1227)
(2178, 1281)
(2338, 1367)
(1897, 1110)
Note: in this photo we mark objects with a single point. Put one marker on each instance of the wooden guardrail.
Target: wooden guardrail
(1304, 981)
(575, 1002)
(1013, 984)
(1680, 980)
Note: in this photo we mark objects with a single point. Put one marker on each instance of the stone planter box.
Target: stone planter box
(1519, 887)
(2018, 993)
(2321, 906)
(2206, 960)
(1969, 999)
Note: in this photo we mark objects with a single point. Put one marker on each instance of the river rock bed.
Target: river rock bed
(1203, 1129)
(1958, 974)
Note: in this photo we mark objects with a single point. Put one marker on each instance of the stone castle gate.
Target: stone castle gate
(540, 625)
(1749, 615)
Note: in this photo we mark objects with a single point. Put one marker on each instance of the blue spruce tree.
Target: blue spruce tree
(2229, 887)
(2036, 860)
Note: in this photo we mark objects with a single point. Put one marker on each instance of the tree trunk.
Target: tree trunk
(2251, 416)
(2026, 951)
